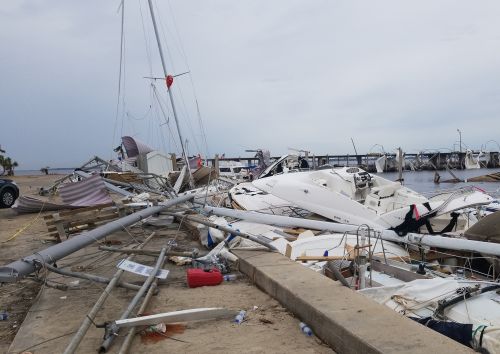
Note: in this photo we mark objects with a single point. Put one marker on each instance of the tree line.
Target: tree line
(7, 164)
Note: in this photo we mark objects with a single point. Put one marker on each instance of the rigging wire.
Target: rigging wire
(183, 53)
(165, 116)
(146, 115)
(159, 120)
(146, 41)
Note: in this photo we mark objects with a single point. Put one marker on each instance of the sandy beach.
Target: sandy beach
(20, 235)
(43, 319)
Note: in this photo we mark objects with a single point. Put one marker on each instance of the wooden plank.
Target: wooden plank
(61, 232)
(70, 226)
(89, 213)
(84, 218)
(288, 251)
(398, 273)
(297, 232)
(79, 210)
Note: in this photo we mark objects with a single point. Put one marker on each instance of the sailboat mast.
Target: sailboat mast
(160, 49)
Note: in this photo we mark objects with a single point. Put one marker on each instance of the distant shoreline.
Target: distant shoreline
(52, 171)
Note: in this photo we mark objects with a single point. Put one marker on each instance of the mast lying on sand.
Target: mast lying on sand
(27, 265)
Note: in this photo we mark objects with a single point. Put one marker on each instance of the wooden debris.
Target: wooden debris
(492, 177)
(62, 224)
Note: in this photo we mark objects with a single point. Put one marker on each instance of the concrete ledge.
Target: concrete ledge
(344, 319)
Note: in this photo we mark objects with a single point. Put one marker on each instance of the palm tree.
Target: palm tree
(8, 166)
(14, 165)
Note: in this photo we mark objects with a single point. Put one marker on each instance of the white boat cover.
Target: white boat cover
(420, 298)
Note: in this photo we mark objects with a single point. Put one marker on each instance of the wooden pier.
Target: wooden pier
(413, 161)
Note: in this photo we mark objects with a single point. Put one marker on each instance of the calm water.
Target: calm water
(423, 181)
(52, 171)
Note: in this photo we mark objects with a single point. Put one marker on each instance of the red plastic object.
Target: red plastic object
(200, 277)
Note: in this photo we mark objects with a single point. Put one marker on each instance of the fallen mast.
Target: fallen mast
(25, 266)
(386, 235)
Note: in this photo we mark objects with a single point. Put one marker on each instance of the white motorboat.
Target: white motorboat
(246, 196)
(351, 195)
(285, 164)
(471, 161)
(234, 170)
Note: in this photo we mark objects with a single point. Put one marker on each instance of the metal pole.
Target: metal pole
(130, 336)
(113, 330)
(91, 277)
(149, 252)
(165, 72)
(451, 243)
(460, 134)
(226, 229)
(20, 268)
(77, 338)
(355, 151)
(400, 165)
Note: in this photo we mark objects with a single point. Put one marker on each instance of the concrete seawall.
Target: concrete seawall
(344, 319)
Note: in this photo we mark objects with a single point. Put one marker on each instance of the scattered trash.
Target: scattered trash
(203, 277)
(305, 329)
(240, 317)
(63, 297)
(141, 269)
(160, 328)
(180, 261)
(161, 331)
(255, 308)
(230, 277)
(4, 315)
(143, 197)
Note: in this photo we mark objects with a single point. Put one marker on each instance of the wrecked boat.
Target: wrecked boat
(351, 195)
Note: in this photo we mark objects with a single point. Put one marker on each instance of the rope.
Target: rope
(18, 232)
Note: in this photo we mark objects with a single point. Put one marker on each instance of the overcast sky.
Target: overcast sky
(265, 74)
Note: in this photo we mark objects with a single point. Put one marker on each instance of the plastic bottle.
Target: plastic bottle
(305, 329)
(240, 317)
(230, 277)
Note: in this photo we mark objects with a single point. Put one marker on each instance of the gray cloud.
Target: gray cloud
(306, 74)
